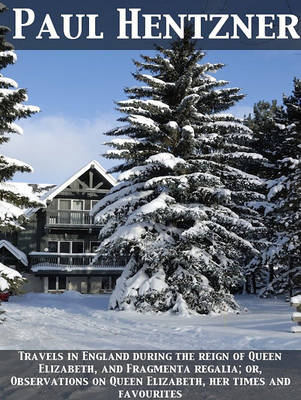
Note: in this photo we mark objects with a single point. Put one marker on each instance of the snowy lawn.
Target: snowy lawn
(75, 321)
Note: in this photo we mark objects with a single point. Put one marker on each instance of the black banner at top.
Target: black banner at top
(134, 24)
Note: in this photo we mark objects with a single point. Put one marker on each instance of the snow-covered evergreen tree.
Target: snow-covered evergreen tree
(284, 253)
(11, 109)
(277, 130)
(180, 212)
(267, 132)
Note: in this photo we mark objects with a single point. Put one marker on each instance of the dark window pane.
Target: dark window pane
(77, 247)
(53, 247)
(52, 282)
(87, 204)
(62, 282)
(64, 247)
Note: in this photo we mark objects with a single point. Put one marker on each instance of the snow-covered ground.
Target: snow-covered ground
(75, 321)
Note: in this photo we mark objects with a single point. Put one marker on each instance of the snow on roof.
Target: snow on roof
(69, 268)
(15, 251)
(92, 164)
(49, 195)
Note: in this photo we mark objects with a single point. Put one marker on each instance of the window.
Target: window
(77, 205)
(65, 204)
(53, 247)
(65, 247)
(77, 247)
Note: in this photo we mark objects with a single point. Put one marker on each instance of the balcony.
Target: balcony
(44, 261)
(69, 218)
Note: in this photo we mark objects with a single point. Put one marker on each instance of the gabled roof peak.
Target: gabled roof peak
(92, 164)
(48, 196)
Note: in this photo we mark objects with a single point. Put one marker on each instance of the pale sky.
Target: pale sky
(76, 91)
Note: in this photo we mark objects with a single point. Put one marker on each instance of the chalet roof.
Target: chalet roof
(49, 195)
(14, 251)
(92, 164)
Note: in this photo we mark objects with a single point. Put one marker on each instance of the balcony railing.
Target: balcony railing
(66, 261)
(69, 217)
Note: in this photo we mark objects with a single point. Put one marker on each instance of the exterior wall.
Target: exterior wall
(77, 283)
(81, 284)
(28, 237)
(92, 284)
(95, 284)
(33, 284)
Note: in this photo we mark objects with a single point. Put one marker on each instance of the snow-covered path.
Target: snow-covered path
(75, 321)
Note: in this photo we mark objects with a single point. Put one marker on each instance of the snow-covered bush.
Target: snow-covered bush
(10, 280)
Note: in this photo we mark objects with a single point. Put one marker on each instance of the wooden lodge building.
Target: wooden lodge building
(57, 246)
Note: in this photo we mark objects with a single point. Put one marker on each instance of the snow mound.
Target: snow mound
(34, 320)
(72, 294)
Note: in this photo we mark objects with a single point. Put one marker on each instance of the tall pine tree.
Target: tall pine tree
(278, 130)
(266, 127)
(12, 202)
(285, 195)
(180, 211)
